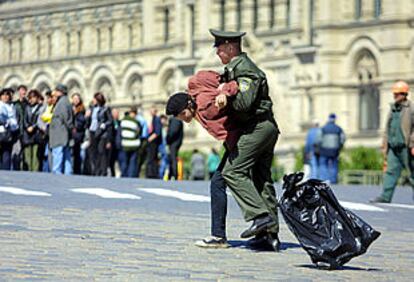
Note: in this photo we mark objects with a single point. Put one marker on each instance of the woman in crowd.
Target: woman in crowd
(45, 117)
(78, 133)
(99, 123)
(31, 133)
(8, 127)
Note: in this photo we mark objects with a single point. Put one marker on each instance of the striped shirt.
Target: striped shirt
(130, 133)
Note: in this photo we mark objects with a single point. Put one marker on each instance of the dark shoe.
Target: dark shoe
(213, 243)
(259, 225)
(379, 200)
(259, 241)
(273, 241)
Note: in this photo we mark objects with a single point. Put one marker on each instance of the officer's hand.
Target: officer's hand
(412, 151)
(221, 101)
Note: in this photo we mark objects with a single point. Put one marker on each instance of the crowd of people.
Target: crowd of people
(60, 134)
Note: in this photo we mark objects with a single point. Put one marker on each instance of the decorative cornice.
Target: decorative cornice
(30, 10)
(103, 55)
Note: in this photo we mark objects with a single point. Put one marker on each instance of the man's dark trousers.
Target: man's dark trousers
(218, 205)
(128, 163)
(218, 201)
(174, 148)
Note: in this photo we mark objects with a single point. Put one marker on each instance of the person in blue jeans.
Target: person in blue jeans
(163, 149)
(331, 139)
(60, 132)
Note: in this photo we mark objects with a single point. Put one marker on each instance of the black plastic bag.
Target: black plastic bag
(329, 233)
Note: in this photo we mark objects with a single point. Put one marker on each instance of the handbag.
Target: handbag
(5, 134)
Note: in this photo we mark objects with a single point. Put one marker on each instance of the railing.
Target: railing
(368, 177)
(361, 177)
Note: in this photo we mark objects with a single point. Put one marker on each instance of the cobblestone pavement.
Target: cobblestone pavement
(65, 237)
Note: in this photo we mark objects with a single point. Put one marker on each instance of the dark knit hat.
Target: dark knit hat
(62, 88)
(177, 103)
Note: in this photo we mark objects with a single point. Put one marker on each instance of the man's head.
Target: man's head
(76, 99)
(115, 114)
(164, 120)
(153, 110)
(133, 111)
(22, 89)
(33, 97)
(181, 106)
(61, 90)
(228, 44)
(99, 99)
(332, 117)
(6, 95)
(400, 90)
(49, 97)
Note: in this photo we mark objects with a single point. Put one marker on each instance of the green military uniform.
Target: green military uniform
(398, 155)
(247, 170)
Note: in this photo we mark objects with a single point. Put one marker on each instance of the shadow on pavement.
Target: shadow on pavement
(261, 248)
(354, 268)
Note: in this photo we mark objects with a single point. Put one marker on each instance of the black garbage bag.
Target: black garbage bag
(329, 233)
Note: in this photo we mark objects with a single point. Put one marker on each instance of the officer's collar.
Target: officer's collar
(235, 61)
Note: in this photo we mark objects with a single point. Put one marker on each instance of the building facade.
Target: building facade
(320, 56)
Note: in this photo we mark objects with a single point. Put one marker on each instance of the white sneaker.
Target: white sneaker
(213, 243)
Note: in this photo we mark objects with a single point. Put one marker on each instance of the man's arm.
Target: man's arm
(249, 88)
(156, 131)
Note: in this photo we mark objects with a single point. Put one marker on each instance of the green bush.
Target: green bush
(299, 161)
(186, 157)
(361, 158)
(277, 170)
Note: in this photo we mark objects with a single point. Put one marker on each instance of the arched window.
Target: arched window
(222, 14)
(369, 98)
(377, 8)
(287, 13)
(239, 14)
(134, 89)
(358, 9)
(272, 13)
(74, 87)
(104, 86)
(255, 14)
(43, 87)
(98, 39)
(166, 24)
(68, 42)
(168, 85)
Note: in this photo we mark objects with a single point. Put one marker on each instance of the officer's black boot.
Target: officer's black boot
(259, 225)
(273, 241)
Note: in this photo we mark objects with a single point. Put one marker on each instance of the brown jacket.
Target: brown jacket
(407, 125)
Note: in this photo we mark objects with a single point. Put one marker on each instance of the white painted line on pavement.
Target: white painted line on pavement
(19, 191)
(361, 207)
(105, 193)
(176, 194)
(404, 206)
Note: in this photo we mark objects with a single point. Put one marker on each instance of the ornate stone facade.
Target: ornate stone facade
(320, 56)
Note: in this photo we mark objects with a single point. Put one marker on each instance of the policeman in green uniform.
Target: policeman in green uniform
(398, 144)
(247, 171)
